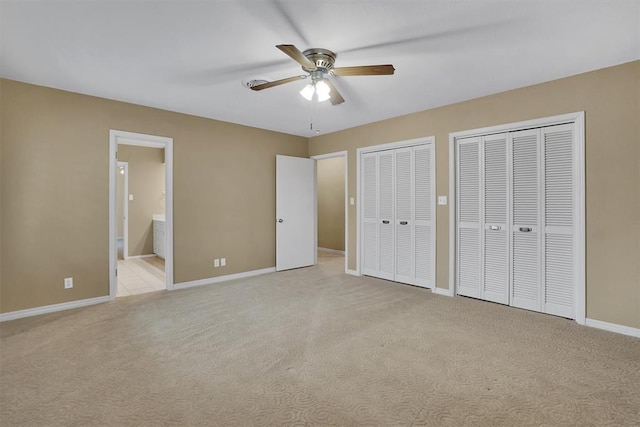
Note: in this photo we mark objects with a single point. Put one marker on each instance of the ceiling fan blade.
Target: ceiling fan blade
(296, 55)
(334, 96)
(364, 70)
(278, 82)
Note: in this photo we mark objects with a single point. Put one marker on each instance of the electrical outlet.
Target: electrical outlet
(216, 262)
(68, 282)
(223, 262)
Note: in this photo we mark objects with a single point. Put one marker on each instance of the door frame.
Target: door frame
(125, 209)
(119, 137)
(360, 152)
(578, 121)
(333, 155)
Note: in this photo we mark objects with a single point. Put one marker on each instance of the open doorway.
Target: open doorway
(332, 205)
(140, 243)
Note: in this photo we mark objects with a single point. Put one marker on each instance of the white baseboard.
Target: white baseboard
(613, 327)
(442, 291)
(12, 315)
(218, 279)
(333, 251)
(352, 272)
(141, 256)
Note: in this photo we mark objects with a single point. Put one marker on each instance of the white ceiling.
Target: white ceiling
(191, 56)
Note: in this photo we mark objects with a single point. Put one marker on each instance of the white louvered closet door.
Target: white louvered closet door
(559, 227)
(370, 214)
(424, 212)
(495, 274)
(386, 232)
(403, 218)
(468, 214)
(525, 201)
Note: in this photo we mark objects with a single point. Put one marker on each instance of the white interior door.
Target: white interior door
(295, 212)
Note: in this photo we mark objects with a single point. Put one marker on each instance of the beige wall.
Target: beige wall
(54, 183)
(146, 183)
(330, 181)
(610, 98)
(54, 170)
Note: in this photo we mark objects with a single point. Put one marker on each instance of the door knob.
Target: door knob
(280, 220)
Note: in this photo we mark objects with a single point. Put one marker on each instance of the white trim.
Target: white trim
(344, 154)
(212, 280)
(352, 272)
(526, 124)
(613, 327)
(452, 215)
(577, 119)
(333, 251)
(329, 155)
(142, 140)
(392, 146)
(12, 315)
(142, 256)
(442, 291)
(580, 214)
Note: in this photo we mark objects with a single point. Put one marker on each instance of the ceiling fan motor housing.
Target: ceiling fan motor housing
(322, 58)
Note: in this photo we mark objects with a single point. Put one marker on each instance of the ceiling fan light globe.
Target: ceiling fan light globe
(307, 92)
(322, 88)
(323, 97)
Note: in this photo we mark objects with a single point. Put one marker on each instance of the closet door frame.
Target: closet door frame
(577, 120)
(360, 152)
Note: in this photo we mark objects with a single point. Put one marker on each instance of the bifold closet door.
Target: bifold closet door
(526, 205)
(495, 254)
(468, 217)
(397, 215)
(424, 188)
(370, 214)
(386, 226)
(403, 219)
(559, 221)
(378, 215)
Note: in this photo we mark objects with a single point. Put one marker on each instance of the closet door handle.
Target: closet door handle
(404, 222)
(525, 229)
(385, 221)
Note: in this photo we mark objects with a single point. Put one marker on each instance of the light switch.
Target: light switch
(442, 200)
(352, 201)
(130, 196)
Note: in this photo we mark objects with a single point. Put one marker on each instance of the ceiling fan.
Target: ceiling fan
(318, 63)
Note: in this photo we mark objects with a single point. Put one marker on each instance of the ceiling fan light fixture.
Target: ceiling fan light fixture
(322, 89)
(307, 92)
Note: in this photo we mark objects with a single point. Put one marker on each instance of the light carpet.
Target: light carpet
(313, 347)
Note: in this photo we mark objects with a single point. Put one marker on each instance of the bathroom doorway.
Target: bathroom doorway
(332, 205)
(141, 244)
